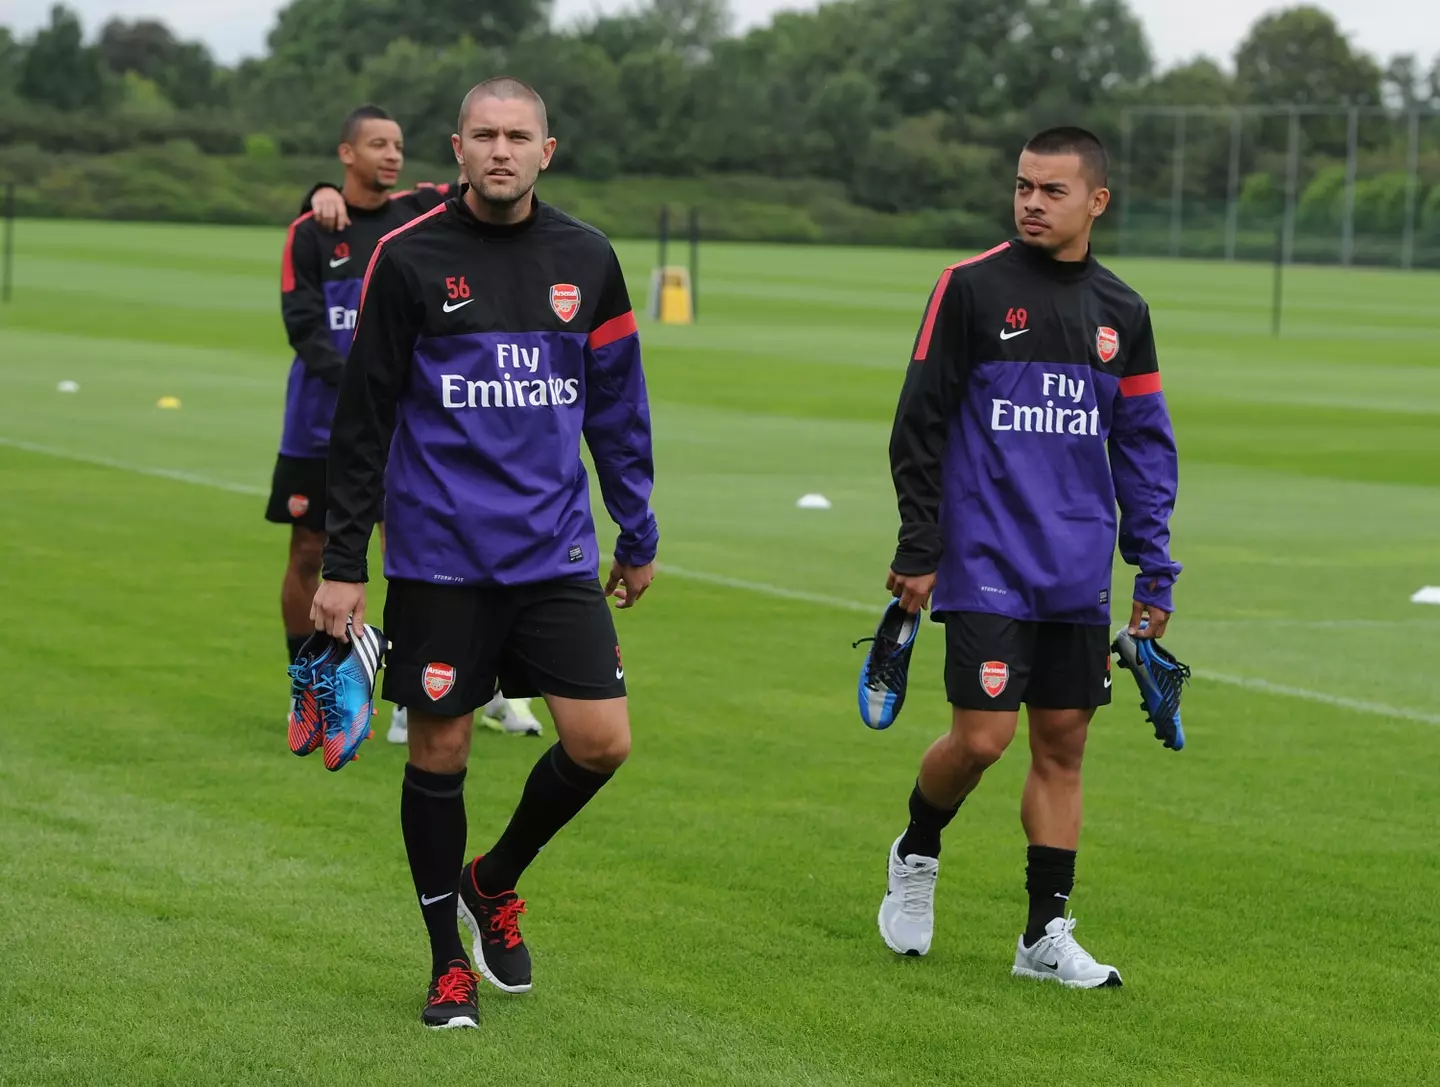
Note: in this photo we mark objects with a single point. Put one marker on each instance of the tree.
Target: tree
(316, 33)
(183, 71)
(12, 58)
(1299, 57)
(581, 87)
(59, 69)
(914, 165)
(1404, 83)
(976, 56)
(422, 88)
(1201, 82)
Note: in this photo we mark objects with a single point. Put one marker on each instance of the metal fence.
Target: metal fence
(1314, 184)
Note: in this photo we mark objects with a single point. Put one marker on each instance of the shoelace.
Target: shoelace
(1064, 944)
(1170, 677)
(917, 891)
(506, 922)
(455, 986)
(329, 706)
(884, 662)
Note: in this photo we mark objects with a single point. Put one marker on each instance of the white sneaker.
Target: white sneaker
(511, 715)
(1057, 957)
(907, 912)
(399, 726)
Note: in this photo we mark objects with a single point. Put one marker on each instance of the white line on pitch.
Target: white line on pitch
(760, 587)
(1319, 696)
(1247, 682)
(137, 469)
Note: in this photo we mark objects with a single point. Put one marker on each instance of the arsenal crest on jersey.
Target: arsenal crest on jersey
(1107, 343)
(297, 504)
(994, 677)
(565, 300)
(438, 680)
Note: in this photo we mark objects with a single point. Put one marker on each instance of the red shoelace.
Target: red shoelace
(455, 986)
(506, 921)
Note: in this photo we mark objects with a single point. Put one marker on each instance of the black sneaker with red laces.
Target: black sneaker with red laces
(451, 1002)
(500, 953)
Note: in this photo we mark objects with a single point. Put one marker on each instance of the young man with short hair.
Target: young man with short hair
(1031, 407)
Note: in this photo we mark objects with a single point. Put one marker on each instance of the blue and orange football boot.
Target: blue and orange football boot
(306, 725)
(345, 692)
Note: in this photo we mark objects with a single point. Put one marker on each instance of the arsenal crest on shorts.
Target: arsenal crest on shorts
(438, 680)
(994, 676)
(565, 300)
(1107, 343)
(297, 504)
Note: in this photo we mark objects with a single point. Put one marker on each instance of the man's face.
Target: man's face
(502, 148)
(1054, 203)
(375, 155)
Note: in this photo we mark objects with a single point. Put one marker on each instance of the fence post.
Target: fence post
(1232, 196)
(1177, 185)
(1347, 222)
(1292, 181)
(1412, 181)
(9, 239)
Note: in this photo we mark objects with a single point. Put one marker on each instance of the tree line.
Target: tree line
(904, 105)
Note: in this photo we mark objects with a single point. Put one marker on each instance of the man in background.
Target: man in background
(327, 251)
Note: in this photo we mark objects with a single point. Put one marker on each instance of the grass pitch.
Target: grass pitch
(182, 901)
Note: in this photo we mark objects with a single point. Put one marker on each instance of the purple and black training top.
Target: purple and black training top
(483, 355)
(1031, 408)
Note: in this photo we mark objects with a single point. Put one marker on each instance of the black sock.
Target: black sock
(432, 819)
(293, 644)
(1049, 878)
(922, 836)
(557, 788)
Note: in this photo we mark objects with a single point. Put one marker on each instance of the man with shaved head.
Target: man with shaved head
(494, 333)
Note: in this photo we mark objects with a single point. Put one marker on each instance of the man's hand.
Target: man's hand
(335, 603)
(1155, 620)
(913, 591)
(627, 584)
(329, 209)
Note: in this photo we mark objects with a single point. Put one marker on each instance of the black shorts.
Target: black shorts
(297, 493)
(993, 662)
(450, 644)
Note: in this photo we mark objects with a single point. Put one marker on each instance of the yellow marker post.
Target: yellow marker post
(671, 299)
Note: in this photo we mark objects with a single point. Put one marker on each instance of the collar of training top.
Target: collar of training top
(466, 218)
(1065, 271)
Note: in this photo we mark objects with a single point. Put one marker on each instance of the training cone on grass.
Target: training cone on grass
(168, 402)
(68, 387)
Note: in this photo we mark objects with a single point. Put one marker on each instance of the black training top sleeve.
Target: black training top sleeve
(302, 304)
(932, 389)
(386, 329)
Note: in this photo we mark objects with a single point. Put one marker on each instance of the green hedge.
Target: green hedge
(176, 181)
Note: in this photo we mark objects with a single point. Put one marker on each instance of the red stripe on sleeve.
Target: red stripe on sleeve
(287, 262)
(617, 328)
(375, 256)
(1140, 384)
(922, 348)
